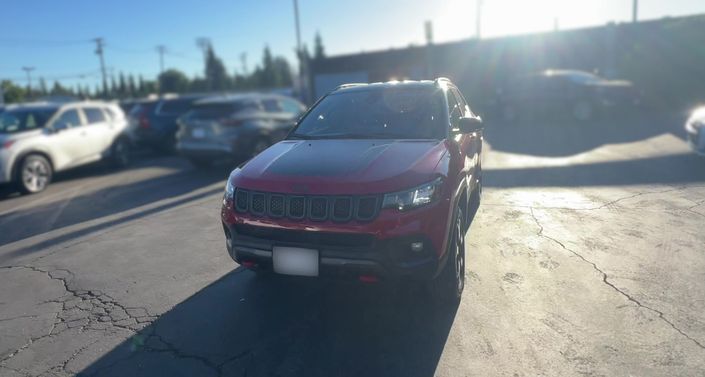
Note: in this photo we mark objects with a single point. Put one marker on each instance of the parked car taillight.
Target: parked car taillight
(144, 121)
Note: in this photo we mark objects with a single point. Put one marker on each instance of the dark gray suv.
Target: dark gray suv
(236, 126)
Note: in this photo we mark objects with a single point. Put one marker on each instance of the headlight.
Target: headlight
(229, 191)
(694, 125)
(417, 196)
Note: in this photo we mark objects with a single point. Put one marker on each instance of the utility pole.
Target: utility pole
(99, 51)
(161, 49)
(478, 21)
(28, 71)
(635, 10)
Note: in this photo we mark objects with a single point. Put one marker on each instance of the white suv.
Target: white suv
(38, 139)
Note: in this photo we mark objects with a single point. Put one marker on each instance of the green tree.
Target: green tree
(141, 87)
(216, 75)
(122, 86)
(12, 93)
(43, 87)
(59, 90)
(112, 89)
(131, 87)
(173, 81)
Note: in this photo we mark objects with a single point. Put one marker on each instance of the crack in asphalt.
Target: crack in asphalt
(610, 284)
(84, 309)
(18, 317)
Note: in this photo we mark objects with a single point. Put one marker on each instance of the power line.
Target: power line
(42, 42)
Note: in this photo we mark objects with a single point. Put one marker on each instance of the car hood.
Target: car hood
(326, 167)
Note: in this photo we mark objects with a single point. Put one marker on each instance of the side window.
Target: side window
(69, 117)
(291, 107)
(109, 114)
(465, 109)
(454, 110)
(271, 106)
(94, 115)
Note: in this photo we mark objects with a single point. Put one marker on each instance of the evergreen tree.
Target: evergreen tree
(113, 90)
(43, 87)
(131, 88)
(141, 88)
(122, 86)
(216, 75)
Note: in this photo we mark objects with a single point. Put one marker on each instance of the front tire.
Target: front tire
(34, 174)
(449, 285)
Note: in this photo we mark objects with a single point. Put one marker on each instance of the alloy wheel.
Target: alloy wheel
(35, 175)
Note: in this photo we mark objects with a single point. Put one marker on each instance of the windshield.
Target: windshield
(388, 113)
(20, 120)
(582, 77)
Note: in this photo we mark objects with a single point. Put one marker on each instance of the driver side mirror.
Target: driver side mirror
(468, 125)
(59, 126)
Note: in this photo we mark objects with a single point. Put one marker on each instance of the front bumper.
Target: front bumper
(380, 248)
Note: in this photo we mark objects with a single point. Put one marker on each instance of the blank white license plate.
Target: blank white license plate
(198, 133)
(295, 261)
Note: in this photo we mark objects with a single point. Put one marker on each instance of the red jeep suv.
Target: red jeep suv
(376, 181)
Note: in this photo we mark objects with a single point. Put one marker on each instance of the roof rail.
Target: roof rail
(350, 85)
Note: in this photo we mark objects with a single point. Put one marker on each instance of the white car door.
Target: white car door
(68, 139)
(99, 131)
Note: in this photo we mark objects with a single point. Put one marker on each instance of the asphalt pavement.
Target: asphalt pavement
(587, 257)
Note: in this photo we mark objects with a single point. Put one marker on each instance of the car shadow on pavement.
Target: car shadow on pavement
(244, 325)
(555, 138)
(27, 222)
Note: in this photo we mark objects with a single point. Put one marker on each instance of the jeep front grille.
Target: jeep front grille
(310, 207)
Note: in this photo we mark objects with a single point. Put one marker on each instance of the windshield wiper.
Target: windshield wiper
(300, 137)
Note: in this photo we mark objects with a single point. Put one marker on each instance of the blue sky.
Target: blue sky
(54, 36)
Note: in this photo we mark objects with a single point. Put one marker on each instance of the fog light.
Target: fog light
(416, 246)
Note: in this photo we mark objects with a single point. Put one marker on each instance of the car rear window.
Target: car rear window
(141, 108)
(213, 111)
(175, 106)
(19, 120)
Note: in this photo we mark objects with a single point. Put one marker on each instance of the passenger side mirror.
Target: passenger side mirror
(59, 126)
(469, 125)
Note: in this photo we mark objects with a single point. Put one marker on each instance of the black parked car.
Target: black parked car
(236, 126)
(582, 95)
(153, 121)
